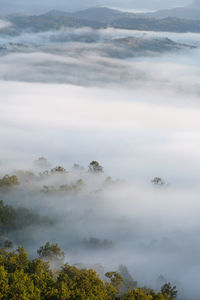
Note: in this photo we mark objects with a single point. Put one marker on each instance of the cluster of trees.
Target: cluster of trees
(7, 182)
(24, 279)
(69, 188)
(47, 277)
(17, 219)
(94, 243)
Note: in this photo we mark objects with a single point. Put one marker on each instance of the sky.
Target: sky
(36, 6)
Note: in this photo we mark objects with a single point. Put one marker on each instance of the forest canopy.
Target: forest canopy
(22, 278)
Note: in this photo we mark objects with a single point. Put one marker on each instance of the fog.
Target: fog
(4, 23)
(74, 101)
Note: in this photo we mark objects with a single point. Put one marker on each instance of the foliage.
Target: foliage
(8, 182)
(95, 167)
(128, 282)
(115, 280)
(12, 219)
(51, 252)
(65, 188)
(157, 181)
(59, 169)
(21, 278)
(143, 294)
(168, 290)
(24, 279)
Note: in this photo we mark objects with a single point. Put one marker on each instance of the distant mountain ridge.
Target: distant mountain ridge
(100, 18)
(191, 12)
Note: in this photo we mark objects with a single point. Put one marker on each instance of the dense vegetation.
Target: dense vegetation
(23, 279)
(47, 276)
(15, 220)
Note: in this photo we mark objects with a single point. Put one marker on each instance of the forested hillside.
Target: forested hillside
(100, 18)
(22, 278)
(48, 274)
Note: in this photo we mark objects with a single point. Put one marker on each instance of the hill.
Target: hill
(97, 18)
(190, 13)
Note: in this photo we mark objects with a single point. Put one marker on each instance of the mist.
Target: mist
(73, 96)
(4, 24)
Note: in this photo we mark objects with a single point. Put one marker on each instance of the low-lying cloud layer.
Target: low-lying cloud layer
(4, 23)
(139, 117)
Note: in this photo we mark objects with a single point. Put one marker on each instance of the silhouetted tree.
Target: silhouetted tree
(51, 252)
(95, 167)
(157, 181)
(59, 169)
(116, 280)
(168, 290)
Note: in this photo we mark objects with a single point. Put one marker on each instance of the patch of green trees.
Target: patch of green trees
(24, 279)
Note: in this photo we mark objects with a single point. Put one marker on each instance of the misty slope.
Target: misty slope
(191, 12)
(123, 48)
(51, 22)
(99, 18)
(84, 51)
(129, 99)
(98, 221)
(48, 277)
(102, 14)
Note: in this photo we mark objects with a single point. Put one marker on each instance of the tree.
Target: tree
(59, 170)
(4, 286)
(128, 281)
(170, 291)
(157, 181)
(143, 294)
(95, 167)
(25, 279)
(116, 280)
(22, 287)
(50, 189)
(51, 252)
(75, 284)
(8, 182)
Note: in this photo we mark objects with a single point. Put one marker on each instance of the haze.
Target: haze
(75, 95)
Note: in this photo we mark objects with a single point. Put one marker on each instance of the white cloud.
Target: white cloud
(140, 119)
